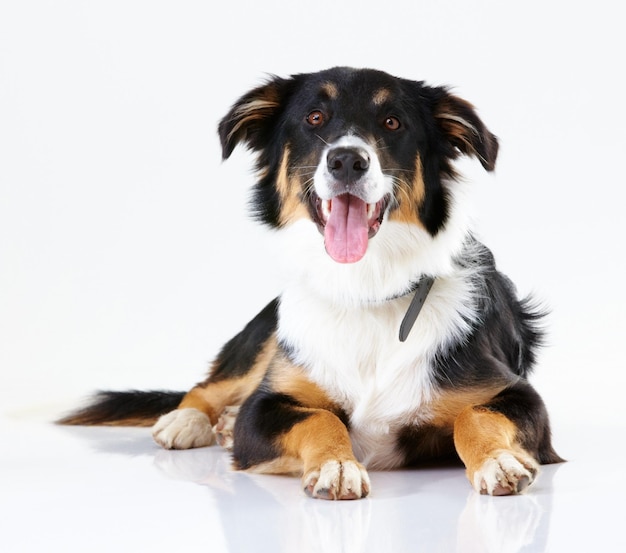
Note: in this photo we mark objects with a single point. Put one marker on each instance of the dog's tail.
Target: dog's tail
(131, 408)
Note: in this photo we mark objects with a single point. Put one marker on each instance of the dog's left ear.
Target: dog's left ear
(459, 122)
(252, 118)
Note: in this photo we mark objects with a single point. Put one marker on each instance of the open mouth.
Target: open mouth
(347, 223)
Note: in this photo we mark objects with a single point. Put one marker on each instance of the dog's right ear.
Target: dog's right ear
(251, 119)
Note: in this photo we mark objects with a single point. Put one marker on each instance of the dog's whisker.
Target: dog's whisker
(324, 141)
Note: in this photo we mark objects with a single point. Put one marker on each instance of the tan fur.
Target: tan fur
(291, 380)
(410, 197)
(88, 418)
(212, 397)
(481, 434)
(289, 188)
(446, 408)
(251, 111)
(135, 421)
(458, 129)
(447, 113)
(381, 96)
(305, 430)
(319, 438)
(282, 465)
(456, 126)
(330, 89)
(319, 449)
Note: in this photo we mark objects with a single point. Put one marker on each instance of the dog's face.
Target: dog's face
(352, 148)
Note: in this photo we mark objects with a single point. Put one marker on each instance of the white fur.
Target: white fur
(183, 429)
(342, 328)
(338, 480)
(504, 471)
(225, 428)
(398, 255)
(374, 185)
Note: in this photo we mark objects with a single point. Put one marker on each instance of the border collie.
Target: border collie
(396, 341)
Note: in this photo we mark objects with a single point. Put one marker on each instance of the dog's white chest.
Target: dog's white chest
(355, 355)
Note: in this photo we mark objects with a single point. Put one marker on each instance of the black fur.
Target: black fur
(427, 112)
(238, 355)
(117, 407)
(498, 352)
(426, 444)
(261, 420)
(504, 341)
(521, 404)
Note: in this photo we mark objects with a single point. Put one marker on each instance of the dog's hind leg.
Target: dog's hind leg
(235, 374)
(224, 429)
(503, 441)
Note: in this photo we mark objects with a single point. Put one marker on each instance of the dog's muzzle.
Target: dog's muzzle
(349, 199)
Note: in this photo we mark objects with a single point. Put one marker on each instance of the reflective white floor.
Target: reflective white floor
(108, 489)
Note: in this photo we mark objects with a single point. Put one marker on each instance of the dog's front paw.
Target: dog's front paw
(337, 480)
(183, 429)
(505, 474)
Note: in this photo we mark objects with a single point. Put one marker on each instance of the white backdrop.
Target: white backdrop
(126, 255)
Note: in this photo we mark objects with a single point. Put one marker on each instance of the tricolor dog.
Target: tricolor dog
(396, 341)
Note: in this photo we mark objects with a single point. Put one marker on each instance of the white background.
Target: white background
(127, 259)
(126, 254)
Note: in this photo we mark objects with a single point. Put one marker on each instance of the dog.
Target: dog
(396, 341)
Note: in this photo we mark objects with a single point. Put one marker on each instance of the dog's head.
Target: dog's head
(352, 148)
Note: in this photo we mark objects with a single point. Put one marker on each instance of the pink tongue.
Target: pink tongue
(346, 231)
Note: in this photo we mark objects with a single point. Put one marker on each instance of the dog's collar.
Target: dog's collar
(420, 290)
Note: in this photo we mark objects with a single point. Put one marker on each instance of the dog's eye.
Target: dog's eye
(315, 118)
(392, 123)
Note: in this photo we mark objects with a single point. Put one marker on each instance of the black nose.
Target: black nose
(347, 164)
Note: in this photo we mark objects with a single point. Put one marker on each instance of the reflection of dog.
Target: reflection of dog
(340, 373)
